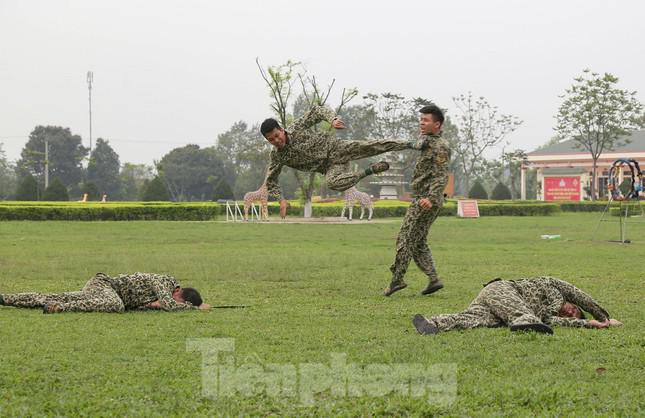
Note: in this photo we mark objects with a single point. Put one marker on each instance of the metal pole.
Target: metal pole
(90, 79)
(46, 162)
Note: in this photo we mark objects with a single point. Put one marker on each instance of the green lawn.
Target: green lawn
(315, 290)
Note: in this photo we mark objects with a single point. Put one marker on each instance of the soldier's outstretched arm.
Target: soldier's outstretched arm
(273, 173)
(314, 115)
(569, 322)
(584, 301)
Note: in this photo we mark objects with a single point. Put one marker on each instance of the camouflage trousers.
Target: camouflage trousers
(498, 304)
(339, 176)
(412, 242)
(97, 296)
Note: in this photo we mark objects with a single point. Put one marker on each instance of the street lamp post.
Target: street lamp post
(90, 79)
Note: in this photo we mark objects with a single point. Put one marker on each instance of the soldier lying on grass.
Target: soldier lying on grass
(523, 305)
(103, 293)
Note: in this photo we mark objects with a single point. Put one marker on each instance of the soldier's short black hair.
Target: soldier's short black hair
(268, 125)
(433, 110)
(191, 295)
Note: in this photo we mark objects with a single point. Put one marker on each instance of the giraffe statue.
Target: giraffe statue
(352, 195)
(261, 195)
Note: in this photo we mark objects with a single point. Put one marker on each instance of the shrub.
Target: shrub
(477, 191)
(155, 190)
(27, 189)
(56, 192)
(501, 192)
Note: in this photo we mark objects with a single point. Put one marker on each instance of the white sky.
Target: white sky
(168, 73)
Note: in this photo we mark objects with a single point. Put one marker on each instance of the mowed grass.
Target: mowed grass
(316, 290)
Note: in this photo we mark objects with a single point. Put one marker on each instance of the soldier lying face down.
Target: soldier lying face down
(532, 304)
(103, 293)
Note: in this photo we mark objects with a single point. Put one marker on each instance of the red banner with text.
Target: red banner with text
(561, 188)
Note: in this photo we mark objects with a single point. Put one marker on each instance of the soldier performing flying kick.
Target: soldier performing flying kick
(304, 149)
(523, 305)
(103, 293)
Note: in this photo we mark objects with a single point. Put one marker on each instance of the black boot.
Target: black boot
(432, 287)
(424, 326)
(394, 287)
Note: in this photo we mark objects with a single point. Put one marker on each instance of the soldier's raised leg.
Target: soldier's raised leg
(346, 151)
(340, 178)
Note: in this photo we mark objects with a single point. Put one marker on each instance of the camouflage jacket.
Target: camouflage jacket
(306, 149)
(138, 289)
(546, 295)
(431, 172)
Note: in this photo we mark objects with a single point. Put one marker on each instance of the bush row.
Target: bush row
(449, 209)
(121, 211)
(110, 213)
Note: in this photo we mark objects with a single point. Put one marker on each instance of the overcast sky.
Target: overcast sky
(168, 73)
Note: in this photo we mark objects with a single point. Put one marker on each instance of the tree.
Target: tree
(597, 116)
(480, 127)
(27, 188)
(103, 169)
(188, 172)
(132, 178)
(155, 190)
(477, 191)
(7, 177)
(56, 192)
(65, 155)
(501, 192)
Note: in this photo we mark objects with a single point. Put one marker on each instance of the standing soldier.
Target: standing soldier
(428, 183)
(103, 293)
(523, 305)
(305, 149)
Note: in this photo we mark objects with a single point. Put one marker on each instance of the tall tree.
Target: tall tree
(132, 178)
(7, 177)
(66, 153)
(597, 115)
(480, 127)
(103, 169)
(191, 173)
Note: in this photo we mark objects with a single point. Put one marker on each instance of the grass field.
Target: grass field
(315, 290)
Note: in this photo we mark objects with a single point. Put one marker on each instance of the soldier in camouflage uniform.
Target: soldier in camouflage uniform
(103, 293)
(428, 184)
(524, 304)
(305, 149)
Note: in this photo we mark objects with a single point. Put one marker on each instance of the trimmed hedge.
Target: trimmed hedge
(203, 211)
(597, 206)
(175, 212)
